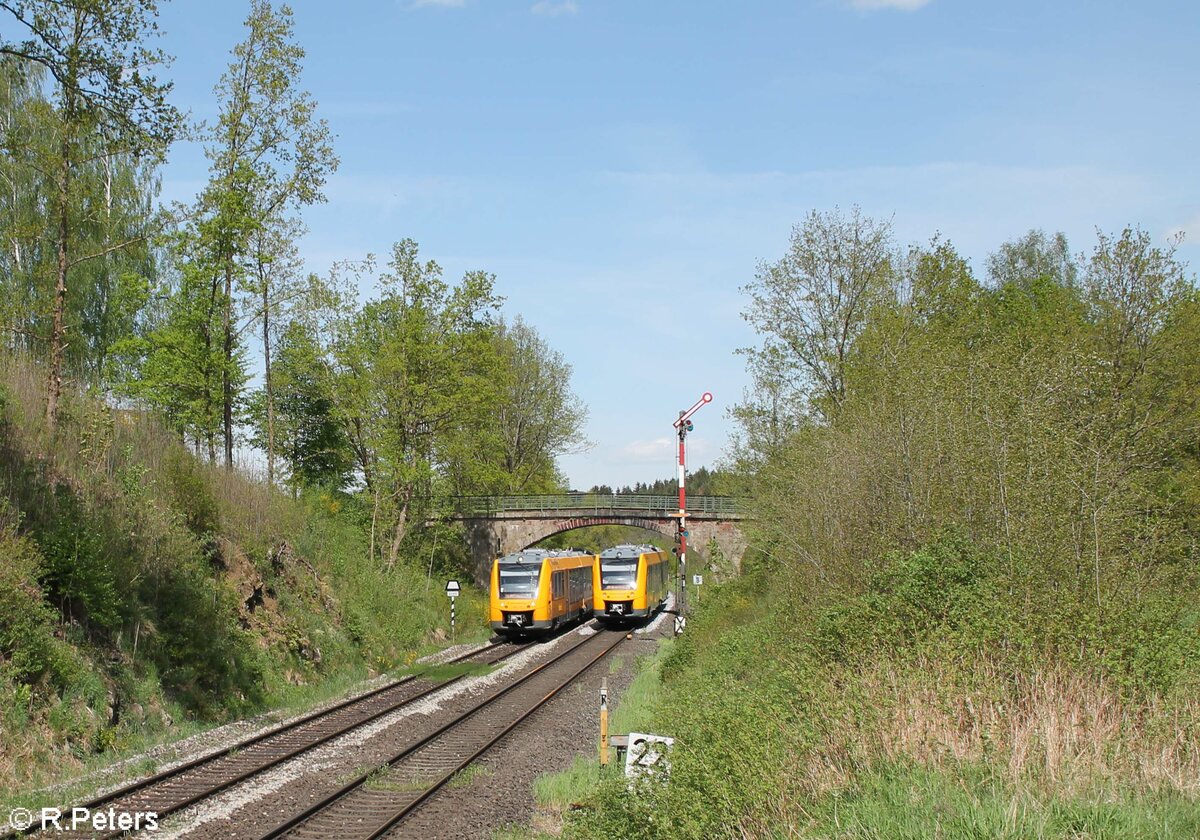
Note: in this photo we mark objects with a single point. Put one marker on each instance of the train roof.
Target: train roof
(537, 555)
(628, 550)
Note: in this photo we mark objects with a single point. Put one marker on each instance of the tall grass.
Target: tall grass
(786, 729)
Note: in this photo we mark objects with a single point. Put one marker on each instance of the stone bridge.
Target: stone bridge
(499, 525)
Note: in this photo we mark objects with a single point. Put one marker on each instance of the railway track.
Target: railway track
(208, 775)
(373, 803)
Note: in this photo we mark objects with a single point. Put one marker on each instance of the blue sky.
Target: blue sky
(623, 167)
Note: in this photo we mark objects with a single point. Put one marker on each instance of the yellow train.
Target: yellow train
(536, 589)
(631, 582)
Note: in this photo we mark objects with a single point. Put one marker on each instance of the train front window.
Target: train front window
(519, 581)
(617, 574)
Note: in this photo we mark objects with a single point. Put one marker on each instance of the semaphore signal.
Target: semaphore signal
(683, 425)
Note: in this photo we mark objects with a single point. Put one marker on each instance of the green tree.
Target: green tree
(26, 264)
(110, 203)
(176, 366)
(304, 422)
(275, 284)
(107, 100)
(536, 418)
(269, 153)
(410, 369)
(1049, 415)
(812, 304)
(1032, 257)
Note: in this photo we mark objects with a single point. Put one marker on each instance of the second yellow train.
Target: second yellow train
(631, 582)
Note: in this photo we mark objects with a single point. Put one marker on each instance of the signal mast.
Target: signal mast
(684, 425)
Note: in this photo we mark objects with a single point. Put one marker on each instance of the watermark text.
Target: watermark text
(82, 819)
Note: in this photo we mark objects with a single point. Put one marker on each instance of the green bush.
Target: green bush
(80, 568)
(202, 656)
(28, 646)
(949, 599)
(764, 687)
(1151, 644)
(947, 587)
(190, 493)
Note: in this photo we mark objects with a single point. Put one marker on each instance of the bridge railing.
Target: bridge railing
(589, 503)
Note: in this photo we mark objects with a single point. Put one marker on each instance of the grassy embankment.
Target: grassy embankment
(144, 595)
(902, 713)
(972, 604)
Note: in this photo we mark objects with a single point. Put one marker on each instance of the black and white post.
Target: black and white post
(453, 590)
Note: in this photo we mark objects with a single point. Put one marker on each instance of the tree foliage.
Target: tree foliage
(812, 304)
(308, 435)
(1050, 413)
(107, 104)
(414, 373)
(537, 417)
(269, 154)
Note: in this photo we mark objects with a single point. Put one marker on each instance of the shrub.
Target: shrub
(190, 493)
(28, 645)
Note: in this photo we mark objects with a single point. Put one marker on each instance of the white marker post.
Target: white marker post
(604, 722)
(453, 590)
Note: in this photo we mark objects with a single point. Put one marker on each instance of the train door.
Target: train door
(558, 594)
(574, 592)
(661, 567)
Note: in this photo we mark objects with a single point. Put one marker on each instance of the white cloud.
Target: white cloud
(551, 8)
(441, 4)
(872, 5)
(642, 451)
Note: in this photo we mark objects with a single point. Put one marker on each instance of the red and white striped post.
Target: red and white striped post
(684, 425)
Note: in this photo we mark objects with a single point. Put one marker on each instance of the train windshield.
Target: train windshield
(519, 580)
(618, 574)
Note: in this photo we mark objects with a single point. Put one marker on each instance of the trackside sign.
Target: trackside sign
(647, 755)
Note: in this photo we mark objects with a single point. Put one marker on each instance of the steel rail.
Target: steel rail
(273, 761)
(446, 778)
(299, 819)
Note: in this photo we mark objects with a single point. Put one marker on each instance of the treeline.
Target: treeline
(972, 586)
(1047, 412)
(700, 482)
(416, 390)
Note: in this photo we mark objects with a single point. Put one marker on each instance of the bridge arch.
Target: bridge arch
(552, 527)
(491, 536)
(499, 525)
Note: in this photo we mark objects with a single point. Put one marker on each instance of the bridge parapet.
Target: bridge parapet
(589, 504)
(499, 525)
